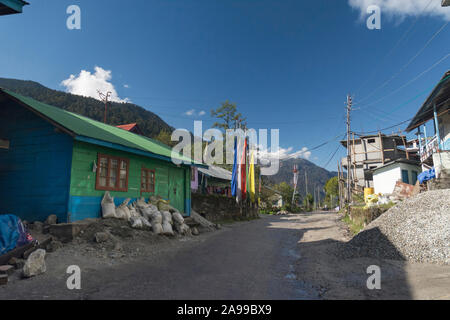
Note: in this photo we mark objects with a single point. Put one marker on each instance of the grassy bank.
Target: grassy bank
(361, 216)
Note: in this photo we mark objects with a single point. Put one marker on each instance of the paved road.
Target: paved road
(246, 260)
(250, 260)
(275, 257)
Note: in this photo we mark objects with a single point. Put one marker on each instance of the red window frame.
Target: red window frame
(117, 185)
(149, 187)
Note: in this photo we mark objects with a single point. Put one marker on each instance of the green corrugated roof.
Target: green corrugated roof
(86, 127)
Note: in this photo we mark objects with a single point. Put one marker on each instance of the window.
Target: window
(112, 173)
(147, 180)
(371, 141)
(405, 177)
(414, 177)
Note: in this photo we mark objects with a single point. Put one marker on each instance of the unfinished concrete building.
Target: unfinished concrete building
(369, 152)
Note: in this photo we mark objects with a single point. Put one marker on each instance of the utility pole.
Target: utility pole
(295, 182)
(306, 187)
(104, 98)
(318, 197)
(349, 160)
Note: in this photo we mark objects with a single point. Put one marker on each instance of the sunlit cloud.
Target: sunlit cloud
(403, 8)
(88, 84)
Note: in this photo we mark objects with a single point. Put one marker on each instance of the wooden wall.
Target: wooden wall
(85, 199)
(35, 170)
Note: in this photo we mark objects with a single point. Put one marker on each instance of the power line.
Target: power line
(404, 121)
(407, 83)
(393, 48)
(407, 64)
(332, 156)
(387, 128)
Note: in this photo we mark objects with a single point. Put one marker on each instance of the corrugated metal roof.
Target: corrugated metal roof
(83, 126)
(439, 97)
(216, 172)
(11, 6)
(127, 127)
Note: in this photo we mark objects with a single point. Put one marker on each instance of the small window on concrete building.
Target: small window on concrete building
(4, 144)
(405, 177)
(414, 177)
(371, 140)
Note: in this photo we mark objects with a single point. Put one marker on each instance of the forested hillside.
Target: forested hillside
(118, 113)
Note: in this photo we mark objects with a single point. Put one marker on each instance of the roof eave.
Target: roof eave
(419, 119)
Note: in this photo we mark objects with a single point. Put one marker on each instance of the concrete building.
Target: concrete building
(434, 147)
(369, 152)
(386, 176)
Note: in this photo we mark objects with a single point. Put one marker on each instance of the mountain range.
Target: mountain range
(310, 176)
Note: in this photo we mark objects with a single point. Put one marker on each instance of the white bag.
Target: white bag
(177, 218)
(133, 212)
(167, 229)
(156, 217)
(122, 211)
(136, 223)
(167, 217)
(108, 207)
(157, 228)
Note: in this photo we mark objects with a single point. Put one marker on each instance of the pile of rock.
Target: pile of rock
(417, 229)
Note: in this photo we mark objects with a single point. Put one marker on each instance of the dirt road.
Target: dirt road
(275, 257)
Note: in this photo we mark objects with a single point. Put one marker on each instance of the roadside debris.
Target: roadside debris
(51, 219)
(3, 279)
(6, 269)
(35, 264)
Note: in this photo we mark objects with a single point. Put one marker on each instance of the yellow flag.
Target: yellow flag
(251, 177)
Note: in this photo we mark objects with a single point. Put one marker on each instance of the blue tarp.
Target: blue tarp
(12, 233)
(426, 175)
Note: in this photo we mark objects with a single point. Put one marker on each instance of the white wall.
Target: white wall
(384, 179)
(444, 130)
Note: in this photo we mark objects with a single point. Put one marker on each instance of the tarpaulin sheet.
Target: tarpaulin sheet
(426, 175)
(12, 233)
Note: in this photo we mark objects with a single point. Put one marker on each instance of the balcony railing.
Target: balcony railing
(428, 149)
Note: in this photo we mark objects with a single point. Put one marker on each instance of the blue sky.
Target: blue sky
(288, 64)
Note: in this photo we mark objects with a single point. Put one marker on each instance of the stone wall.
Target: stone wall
(219, 208)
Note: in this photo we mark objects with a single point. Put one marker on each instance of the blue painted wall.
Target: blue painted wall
(35, 171)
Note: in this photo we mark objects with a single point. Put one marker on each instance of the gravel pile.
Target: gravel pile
(417, 229)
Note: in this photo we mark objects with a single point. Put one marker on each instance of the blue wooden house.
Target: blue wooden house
(57, 162)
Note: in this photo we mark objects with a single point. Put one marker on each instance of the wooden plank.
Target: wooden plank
(381, 146)
(16, 253)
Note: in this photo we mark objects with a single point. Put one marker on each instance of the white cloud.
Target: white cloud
(126, 86)
(87, 83)
(403, 8)
(284, 154)
(192, 112)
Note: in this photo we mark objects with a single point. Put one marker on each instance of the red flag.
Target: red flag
(244, 171)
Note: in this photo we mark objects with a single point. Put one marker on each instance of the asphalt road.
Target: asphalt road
(250, 260)
(275, 257)
(245, 260)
